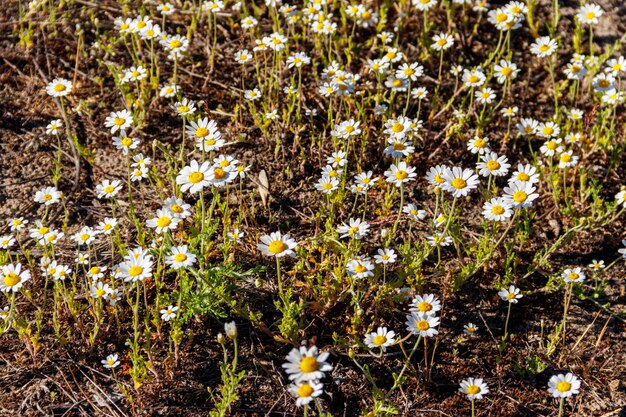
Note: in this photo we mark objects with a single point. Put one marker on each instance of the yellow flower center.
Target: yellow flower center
(497, 210)
(164, 221)
(398, 146)
(544, 48)
(109, 189)
(277, 246)
(522, 176)
(366, 15)
(119, 121)
(473, 79)
(195, 177)
(501, 17)
(11, 279)
(590, 15)
(552, 145)
(135, 270)
(424, 307)
(219, 173)
(349, 128)
(397, 82)
(305, 390)
(59, 87)
(201, 132)
(43, 230)
(47, 197)
(359, 269)
(135, 74)
(180, 257)
(480, 143)
(439, 179)
(566, 157)
(397, 127)
(473, 389)
(379, 340)
(520, 196)
(563, 386)
(400, 175)
(183, 109)
(506, 71)
(308, 364)
(100, 292)
(409, 71)
(548, 131)
(510, 296)
(492, 165)
(141, 24)
(175, 44)
(327, 186)
(573, 276)
(459, 183)
(127, 142)
(422, 325)
(441, 42)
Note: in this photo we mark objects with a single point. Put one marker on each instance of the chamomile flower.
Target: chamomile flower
(125, 143)
(474, 78)
(410, 72)
(177, 207)
(459, 182)
(298, 60)
(168, 312)
(13, 277)
(5, 312)
(304, 365)
(485, 96)
(398, 128)
(492, 164)
(442, 41)
(551, 147)
(236, 235)
(277, 245)
(163, 222)
(509, 111)
(439, 240)
(194, 177)
(424, 5)
(511, 294)
(133, 74)
(111, 361)
(120, 120)
(48, 196)
(248, 22)
(400, 173)
(563, 386)
(99, 290)
(327, 184)
(424, 325)
(527, 126)
(596, 265)
(385, 256)
(505, 71)
(96, 272)
(185, 107)
(548, 130)
(497, 209)
(243, 56)
(85, 236)
(7, 241)
(180, 257)
(108, 188)
(589, 14)
(413, 212)
(474, 388)
(470, 328)
(525, 173)
(520, 194)
(573, 275)
(425, 304)
(543, 46)
(17, 223)
(567, 159)
(434, 176)
(138, 173)
(620, 199)
(399, 147)
(59, 87)
(361, 267)
(380, 339)
(306, 391)
(337, 159)
(169, 90)
(53, 127)
(136, 269)
(365, 179)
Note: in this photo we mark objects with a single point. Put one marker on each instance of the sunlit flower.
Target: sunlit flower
(563, 386)
(305, 365)
(380, 339)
